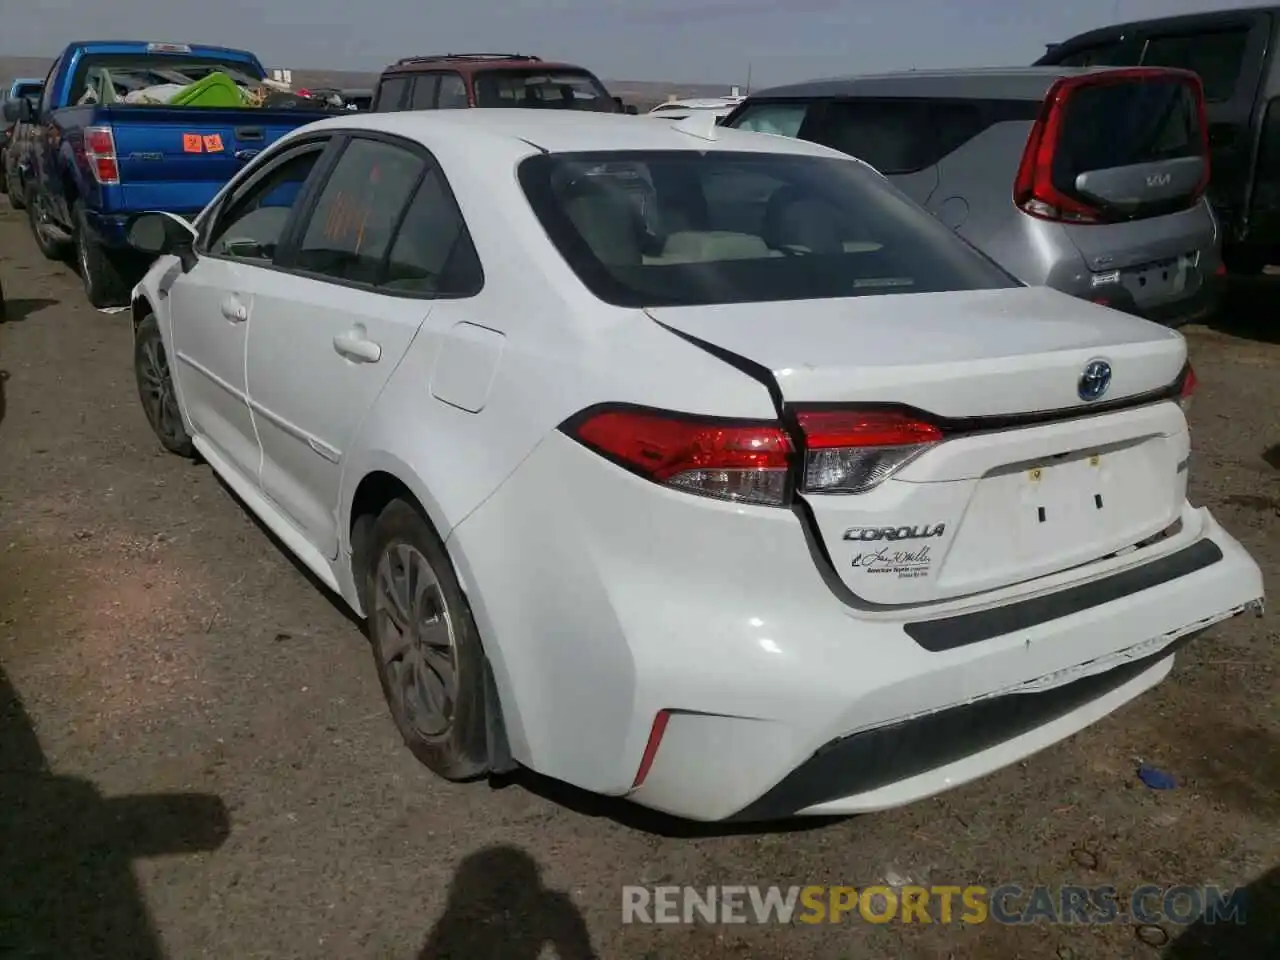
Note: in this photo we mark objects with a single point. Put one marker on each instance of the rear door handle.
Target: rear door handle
(234, 310)
(354, 346)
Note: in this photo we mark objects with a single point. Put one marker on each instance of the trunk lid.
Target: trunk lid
(983, 506)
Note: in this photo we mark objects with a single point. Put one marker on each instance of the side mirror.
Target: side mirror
(632, 109)
(158, 234)
(12, 111)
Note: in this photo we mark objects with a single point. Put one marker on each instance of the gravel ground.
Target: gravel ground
(195, 760)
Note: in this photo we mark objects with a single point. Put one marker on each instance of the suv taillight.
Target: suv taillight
(100, 152)
(1034, 192)
(845, 451)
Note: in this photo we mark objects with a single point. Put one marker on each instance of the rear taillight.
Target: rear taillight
(844, 451)
(747, 461)
(1033, 190)
(100, 153)
(852, 451)
(1187, 388)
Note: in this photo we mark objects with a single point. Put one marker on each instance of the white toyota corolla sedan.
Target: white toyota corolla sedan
(684, 464)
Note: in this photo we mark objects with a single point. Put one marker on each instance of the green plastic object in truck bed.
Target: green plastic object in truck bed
(215, 90)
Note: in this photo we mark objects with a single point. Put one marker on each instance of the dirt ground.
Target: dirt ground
(195, 759)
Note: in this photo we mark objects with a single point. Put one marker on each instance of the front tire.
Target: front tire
(155, 389)
(426, 646)
(16, 190)
(52, 249)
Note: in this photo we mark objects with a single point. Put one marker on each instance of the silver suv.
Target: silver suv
(1091, 181)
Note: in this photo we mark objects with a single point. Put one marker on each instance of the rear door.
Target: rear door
(358, 281)
(895, 136)
(1229, 56)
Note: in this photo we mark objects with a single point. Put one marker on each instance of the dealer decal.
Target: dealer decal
(905, 563)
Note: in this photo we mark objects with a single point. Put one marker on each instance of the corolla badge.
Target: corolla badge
(1094, 380)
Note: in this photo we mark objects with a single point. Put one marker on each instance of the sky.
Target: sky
(682, 41)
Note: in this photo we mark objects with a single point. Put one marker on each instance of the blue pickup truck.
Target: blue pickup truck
(101, 148)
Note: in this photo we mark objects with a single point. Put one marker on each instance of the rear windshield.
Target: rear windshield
(112, 77)
(1122, 124)
(556, 90)
(684, 228)
(26, 90)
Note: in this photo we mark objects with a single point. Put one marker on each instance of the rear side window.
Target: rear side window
(1216, 57)
(894, 136)
(424, 92)
(433, 254)
(357, 210)
(781, 119)
(453, 92)
(391, 93)
(1109, 125)
(690, 228)
(561, 90)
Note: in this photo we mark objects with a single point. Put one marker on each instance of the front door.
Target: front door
(212, 306)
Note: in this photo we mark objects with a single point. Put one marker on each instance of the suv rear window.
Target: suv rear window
(558, 89)
(688, 228)
(1123, 124)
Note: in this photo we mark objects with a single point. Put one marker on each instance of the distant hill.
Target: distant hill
(645, 94)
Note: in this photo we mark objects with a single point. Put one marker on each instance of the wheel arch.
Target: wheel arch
(381, 481)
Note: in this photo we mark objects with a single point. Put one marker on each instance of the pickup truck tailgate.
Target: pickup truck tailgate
(176, 158)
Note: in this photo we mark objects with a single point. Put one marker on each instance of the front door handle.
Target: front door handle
(234, 310)
(355, 346)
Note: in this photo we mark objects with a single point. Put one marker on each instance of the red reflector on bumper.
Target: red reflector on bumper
(651, 748)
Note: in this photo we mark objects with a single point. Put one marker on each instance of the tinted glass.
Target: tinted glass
(1216, 57)
(432, 253)
(28, 90)
(453, 92)
(350, 228)
(254, 223)
(424, 92)
(1109, 55)
(391, 93)
(781, 119)
(1121, 124)
(676, 228)
(561, 89)
(892, 136)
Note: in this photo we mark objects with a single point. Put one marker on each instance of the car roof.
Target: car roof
(1207, 19)
(522, 130)
(977, 83)
(477, 63)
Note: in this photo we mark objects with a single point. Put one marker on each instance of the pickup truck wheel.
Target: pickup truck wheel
(105, 283)
(4, 165)
(155, 389)
(50, 246)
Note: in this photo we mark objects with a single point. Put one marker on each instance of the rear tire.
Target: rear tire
(15, 190)
(4, 171)
(101, 270)
(155, 389)
(51, 248)
(426, 646)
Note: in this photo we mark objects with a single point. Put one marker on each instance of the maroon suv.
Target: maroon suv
(459, 81)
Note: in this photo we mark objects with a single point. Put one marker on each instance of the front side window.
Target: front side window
(453, 92)
(252, 225)
(781, 119)
(686, 228)
(894, 136)
(355, 215)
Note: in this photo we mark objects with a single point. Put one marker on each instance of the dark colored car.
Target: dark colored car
(18, 90)
(459, 81)
(1233, 52)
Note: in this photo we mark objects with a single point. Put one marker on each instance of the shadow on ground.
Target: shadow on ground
(498, 909)
(15, 311)
(1250, 308)
(66, 852)
(1258, 935)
